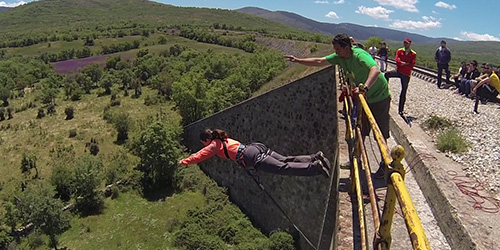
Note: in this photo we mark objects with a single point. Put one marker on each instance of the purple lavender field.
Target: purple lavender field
(75, 65)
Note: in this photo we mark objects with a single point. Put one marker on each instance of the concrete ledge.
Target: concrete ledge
(455, 216)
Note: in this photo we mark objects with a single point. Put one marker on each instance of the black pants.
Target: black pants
(405, 80)
(262, 158)
(485, 92)
(441, 67)
(380, 111)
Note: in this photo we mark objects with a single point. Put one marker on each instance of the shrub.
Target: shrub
(435, 122)
(452, 141)
(123, 123)
(41, 113)
(115, 192)
(93, 146)
(35, 239)
(148, 101)
(70, 112)
(281, 241)
(10, 112)
(193, 237)
(72, 133)
(2, 114)
(314, 48)
(118, 168)
(51, 109)
(115, 102)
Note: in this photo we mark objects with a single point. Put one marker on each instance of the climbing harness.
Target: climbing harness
(255, 177)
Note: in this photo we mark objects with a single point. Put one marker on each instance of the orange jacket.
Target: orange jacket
(214, 148)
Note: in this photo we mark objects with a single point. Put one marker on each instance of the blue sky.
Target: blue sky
(462, 20)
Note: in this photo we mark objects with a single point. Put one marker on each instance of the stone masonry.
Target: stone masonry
(297, 118)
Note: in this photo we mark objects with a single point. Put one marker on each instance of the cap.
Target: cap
(407, 40)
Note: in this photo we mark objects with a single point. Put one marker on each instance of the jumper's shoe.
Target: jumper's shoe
(324, 170)
(320, 156)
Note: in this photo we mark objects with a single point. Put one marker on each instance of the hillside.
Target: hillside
(84, 15)
(358, 31)
(4, 9)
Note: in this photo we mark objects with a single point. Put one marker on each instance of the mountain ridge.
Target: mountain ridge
(359, 32)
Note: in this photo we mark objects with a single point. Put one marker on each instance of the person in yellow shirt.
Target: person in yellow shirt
(488, 88)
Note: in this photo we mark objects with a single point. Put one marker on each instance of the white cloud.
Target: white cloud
(426, 24)
(322, 2)
(332, 14)
(407, 5)
(445, 5)
(457, 38)
(376, 12)
(339, 2)
(4, 4)
(478, 37)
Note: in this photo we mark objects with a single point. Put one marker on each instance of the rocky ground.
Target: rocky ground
(482, 131)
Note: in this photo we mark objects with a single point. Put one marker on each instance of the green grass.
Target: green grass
(452, 141)
(131, 222)
(435, 122)
(39, 136)
(296, 71)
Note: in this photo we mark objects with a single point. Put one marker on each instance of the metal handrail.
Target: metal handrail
(396, 189)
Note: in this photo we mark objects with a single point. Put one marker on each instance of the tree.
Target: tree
(28, 162)
(159, 149)
(123, 123)
(83, 82)
(162, 40)
(94, 72)
(87, 177)
(189, 95)
(112, 61)
(107, 83)
(4, 96)
(62, 179)
(373, 41)
(39, 207)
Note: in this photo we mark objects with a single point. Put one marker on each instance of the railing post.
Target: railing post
(385, 239)
(413, 224)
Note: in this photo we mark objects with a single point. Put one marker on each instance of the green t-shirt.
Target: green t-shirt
(357, 68)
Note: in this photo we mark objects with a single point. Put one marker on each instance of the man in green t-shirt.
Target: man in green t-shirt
(360, 68)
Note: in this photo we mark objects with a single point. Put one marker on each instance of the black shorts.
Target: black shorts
(380, 111)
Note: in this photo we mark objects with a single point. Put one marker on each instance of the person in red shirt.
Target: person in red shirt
(257, 155)
(405, 60)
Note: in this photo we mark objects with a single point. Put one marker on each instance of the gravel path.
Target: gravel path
(482, 130)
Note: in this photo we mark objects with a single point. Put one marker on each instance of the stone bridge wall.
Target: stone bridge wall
(297, 118)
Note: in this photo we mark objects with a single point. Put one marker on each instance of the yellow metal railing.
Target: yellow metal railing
(396, 189)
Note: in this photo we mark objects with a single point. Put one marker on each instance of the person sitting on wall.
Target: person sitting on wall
(257, 155)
